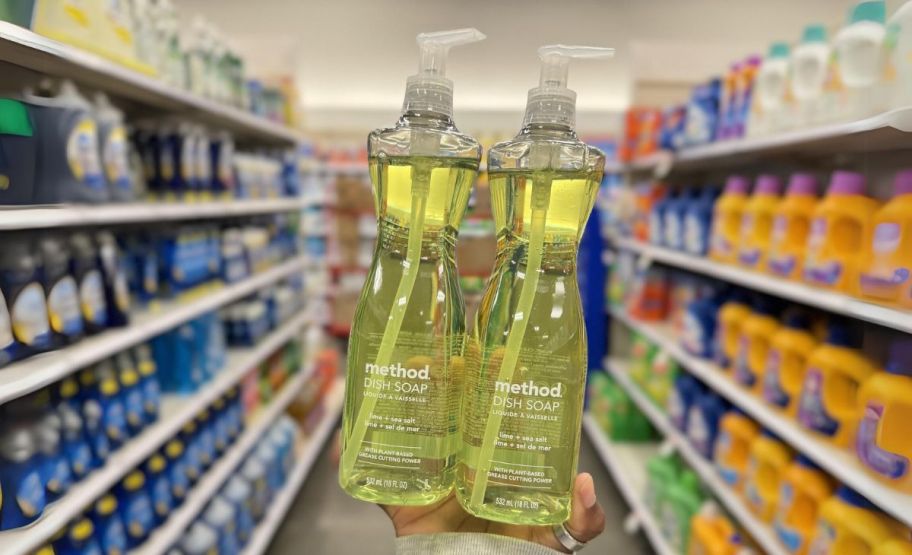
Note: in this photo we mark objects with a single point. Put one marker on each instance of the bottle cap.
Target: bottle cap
(737, 185)
(778, 50)
(551, 102)
(846, 183)
(900, 360)
(802, 184)
(768, 184)
(873, 10)
(902, 183)
(814, 33)
(753, 60)
(429, 90)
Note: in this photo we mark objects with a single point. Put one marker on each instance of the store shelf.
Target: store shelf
(307, 457)
(175, 412)
(836, 303)
(759, 530)
(199, 496)
(21, 47)
(627, 465)
(23, 377)
(31, 217)
(838, 462)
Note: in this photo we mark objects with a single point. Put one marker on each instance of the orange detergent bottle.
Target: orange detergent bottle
(769, 459)
(883, 443)
(727, 214)
(885, 274)
(711, 533)
(757, 222)
(736, 434)
(786, 361)
(731, 316)
(839, 232)
(829, 396)
(791, 227)
(757, 332)
(803, 490)
(849, 524)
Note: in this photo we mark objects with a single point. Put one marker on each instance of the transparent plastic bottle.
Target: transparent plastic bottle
(399, 437)
(526, 359)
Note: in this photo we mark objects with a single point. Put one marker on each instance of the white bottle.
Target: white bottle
(899, 31)
(809, 67)
(771, 92)
(859, 48)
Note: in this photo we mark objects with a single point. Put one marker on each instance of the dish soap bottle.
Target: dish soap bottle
(399, 437)
(526, 359)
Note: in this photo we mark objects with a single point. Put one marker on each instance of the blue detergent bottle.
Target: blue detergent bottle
(135, 507)
(18, 153)
(69, 166)
(703, 422)
(159, 487)
(109, 526)
(114, 149)
(80, 538)
(205, 438)
(675, 212)
(221, 151)
(221, 515)
(20, 285)
(93, 416)
(114, 279)
(699, 329)
(220, 425)
(54, 468)
(698, 221)
(64, 315)
(657, 219)
(148, 380)
(234, 412)
(269, 456)
(193, 460)
(20, 479)
(178, 479)
(75, 447)
(200, 539)
(239, 493)
(131, 392)
(254, 473)
(142, 267)
(687, 389)
(86, 271)
(113, 411)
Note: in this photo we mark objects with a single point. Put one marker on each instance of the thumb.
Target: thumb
(587, 519)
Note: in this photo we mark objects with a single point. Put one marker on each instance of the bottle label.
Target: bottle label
(885, 463)
(694, 235)
(115, 158)
(719, 355)
(655, 228)
(92, 299)
(63, 307)
(743, 373)
(113, 536)
(772, 384)
(203, 162)
(133, 403)
(883, 276)
(193, 459)
(752, 494)
(30, 316)
(824, 540)
(729, 474)
(61, 477)
(179, 479)
(693, 335)
(80, 459)
(780, 226)
(151, 395)
(790, 537)
(225, 163)
(672, 230)
(782, 265)
(115, 421)
(30, 495)
(819, 270)
(749, 256)
(166, 163)
(698, 431)
(139, 515)
(6, 328)
(676, 409)
(82, 154)
(811, 411)
(161, 497)
(121, 288)
(188, 161)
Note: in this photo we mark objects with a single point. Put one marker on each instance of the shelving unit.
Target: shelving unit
(34, 52)
(836, 303)
(204, 490)
(23, 377)
(627, 465)
(175, 412)
(840, 463)
(758, 529)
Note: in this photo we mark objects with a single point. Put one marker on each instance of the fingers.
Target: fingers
(587, 519)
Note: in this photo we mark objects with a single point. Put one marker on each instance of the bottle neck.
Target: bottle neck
(427, 120)
(548, 130)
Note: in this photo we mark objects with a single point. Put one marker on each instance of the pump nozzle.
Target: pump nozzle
(429, 90)
(551, 102)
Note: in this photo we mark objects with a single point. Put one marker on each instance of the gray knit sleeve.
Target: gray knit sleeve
(468, 544)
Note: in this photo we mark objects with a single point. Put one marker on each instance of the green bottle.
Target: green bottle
(526, 359)
(405, 366)
(683, 500)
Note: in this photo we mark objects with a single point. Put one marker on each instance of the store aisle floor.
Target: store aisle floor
(325, 520)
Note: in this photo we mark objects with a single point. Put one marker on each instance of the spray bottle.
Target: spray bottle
(526, 360)
(405, 352)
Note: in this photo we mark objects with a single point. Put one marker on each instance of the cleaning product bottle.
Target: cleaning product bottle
(69, 168)
(882, 443)
(711, 532)
(409, 327)
(861, 57)
(829, 395)
(698, 221)
(135, 507)
(851, 524)
(151, 389)
(114, 419)
(131, 392)
(200, 539)
(839, 232)
(808, 73)
(699, 329)
(737, 432)
(526, 360)
(703, 422)
(93, 416)
(731, 318)
(885, 271)
(683, 503)
(115, 149)
(664, 371)
(673, 227)
(18, 153)
(757, 332)
(642, 351)
(20, 285)
(802, 491)
(159, 487)
(177, 470)
(791, 226)
(109, 527)
(726, 226)
(114, 278)
(786, 361)
(79, 539)
(89, 282)
(64, 315)
(661, 472)
(687, 389)
(757, 222)
(769, 460)
(657, 218)
(20, 479)
(74, 444)
(771, 109)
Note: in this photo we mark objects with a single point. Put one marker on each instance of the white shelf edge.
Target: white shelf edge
(37, 217)
(838, 462)
(202, 492)
(26, 540)
(794, 291)
(759, 530)
(307, 457)
(31, 374)
(606, 450)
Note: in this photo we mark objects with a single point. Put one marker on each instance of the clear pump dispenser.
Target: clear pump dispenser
(405, 364)
(526, 359)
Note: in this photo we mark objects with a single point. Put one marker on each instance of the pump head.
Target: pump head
(429, 90)
(551, 102)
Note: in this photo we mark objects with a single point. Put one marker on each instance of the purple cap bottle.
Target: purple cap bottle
(846, 183)
(768, 185)
(902, 183)
(802, 184)
(736, 185)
